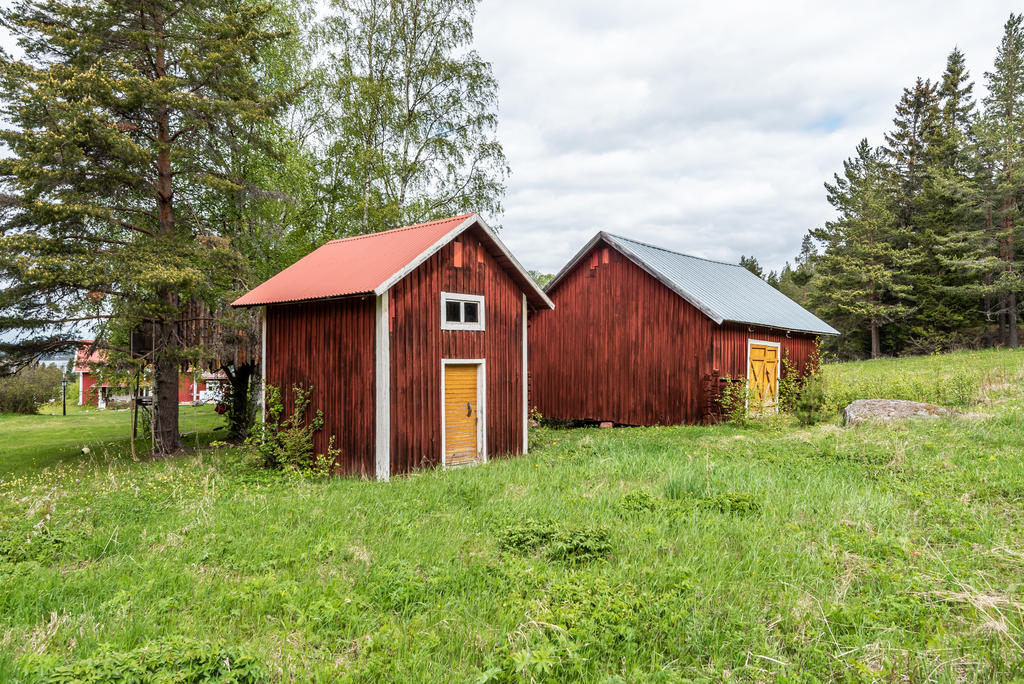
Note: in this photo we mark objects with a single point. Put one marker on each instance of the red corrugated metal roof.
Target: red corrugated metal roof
(352, 265)
(83, 358)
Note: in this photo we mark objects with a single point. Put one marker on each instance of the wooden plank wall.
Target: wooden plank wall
(418, 344)
(730, 343)
(618, 347)
(329, 345)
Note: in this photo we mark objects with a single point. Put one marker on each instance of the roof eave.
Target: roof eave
(303, 300)
(786, 328)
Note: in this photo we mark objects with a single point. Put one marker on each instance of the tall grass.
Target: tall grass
(890, 552)
(956, 380)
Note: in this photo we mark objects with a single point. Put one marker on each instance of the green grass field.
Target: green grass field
(767, 553)
(30, 443)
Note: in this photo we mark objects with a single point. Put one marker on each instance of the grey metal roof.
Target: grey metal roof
(724, 292)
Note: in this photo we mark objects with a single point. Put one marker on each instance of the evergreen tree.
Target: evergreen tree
(946, 277)
(120, 117)
(859, 280)
(1000, 131)
(907, 144)
(954, 178)
(906, 154)
(750, 263)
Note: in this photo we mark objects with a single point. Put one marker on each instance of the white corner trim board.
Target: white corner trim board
(263, 368)
(382, 378)
(526, 382)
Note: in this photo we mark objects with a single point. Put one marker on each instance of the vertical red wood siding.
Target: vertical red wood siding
(329, 345)
(185, 388)
(418, 345)
(89, 394)
(730, 343)
(620, 346)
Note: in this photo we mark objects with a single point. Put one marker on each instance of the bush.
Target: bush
(810, 407)
(734, 399)
(29, 388)
(803, 395)
(286, 443)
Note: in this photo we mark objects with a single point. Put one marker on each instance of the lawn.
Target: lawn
(768, 552)
(29, 443)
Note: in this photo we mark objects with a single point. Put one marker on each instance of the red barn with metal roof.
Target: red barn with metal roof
(414, 341)
(647, 336)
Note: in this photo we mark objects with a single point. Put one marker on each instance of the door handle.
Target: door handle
(469, 409)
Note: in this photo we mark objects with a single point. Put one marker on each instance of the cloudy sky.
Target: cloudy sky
(706, 127)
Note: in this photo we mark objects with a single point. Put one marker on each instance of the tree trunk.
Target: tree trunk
(1011, 304)
(876, 342)
(241, 415)
(1002, 319)
(988, 321)
(1011, 315)
(166, 437)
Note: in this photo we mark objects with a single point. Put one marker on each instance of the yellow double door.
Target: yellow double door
(763, 376)
(462, 413)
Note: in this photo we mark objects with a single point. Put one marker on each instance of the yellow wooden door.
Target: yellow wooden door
(461, 414)
(763, 376)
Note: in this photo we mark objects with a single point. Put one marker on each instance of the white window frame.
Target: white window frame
(773, 407)
(456, 297)
(481, 408)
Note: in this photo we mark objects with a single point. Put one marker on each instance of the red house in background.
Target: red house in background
(413, 340)
(646, 336)
(91, 388)
(94, 389)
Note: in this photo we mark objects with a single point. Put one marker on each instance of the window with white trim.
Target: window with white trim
(462, 311)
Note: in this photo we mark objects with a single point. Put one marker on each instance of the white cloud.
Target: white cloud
(704, 127)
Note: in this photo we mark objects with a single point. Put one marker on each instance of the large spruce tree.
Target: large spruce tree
(859, 281)
(951, 293)
(120, 119)
(1001, 137)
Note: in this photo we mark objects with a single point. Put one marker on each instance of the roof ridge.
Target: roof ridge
(397, 230)
(672, 251)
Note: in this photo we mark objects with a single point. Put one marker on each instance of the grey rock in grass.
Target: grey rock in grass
(889, 409)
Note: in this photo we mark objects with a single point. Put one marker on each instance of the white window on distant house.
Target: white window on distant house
(462, 311)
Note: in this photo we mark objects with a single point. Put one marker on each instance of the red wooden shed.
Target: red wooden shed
(645, 336)
(414, 341)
